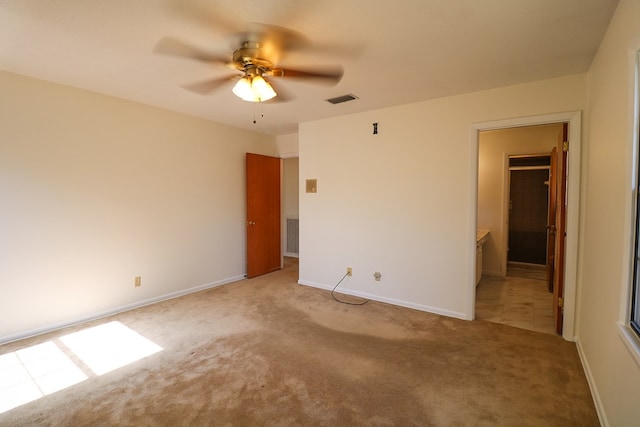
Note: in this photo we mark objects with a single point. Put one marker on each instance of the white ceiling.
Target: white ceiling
(393, 51)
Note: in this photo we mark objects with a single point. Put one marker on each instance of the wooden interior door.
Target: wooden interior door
(551, 221)
(561, 219)
(263, 214)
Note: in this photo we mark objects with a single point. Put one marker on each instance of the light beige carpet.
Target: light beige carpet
(270, 352)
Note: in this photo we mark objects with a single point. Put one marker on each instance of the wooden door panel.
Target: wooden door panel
(561, 219)
(551, 222)
(263, 214)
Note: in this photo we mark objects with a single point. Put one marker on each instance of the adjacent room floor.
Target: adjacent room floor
(521, 299)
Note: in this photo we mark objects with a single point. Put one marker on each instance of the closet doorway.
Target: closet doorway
(528, 209)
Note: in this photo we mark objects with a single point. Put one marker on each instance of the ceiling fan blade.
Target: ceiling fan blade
(206, 15)
(282, 94)
(175, 47)
(207, 86)
(329, 75)
(283, 38)
(275, 42)
(222, 19)
(350, 50)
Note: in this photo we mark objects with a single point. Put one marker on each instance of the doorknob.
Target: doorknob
(251, 223)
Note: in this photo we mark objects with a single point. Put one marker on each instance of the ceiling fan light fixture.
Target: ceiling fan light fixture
(243, 90)
(254, 89)
(262, 89)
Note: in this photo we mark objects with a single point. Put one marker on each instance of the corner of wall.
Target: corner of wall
(287, 145)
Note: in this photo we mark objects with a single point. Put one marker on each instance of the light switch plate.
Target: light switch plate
(312, 186)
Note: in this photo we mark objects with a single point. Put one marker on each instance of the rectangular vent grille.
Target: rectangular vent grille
(343, 98)
(292, 235)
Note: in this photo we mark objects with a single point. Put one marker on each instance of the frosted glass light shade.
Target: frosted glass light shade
(261, 89)
(253, 89)
(242, 90)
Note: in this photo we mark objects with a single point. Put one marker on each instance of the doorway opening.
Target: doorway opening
(518, 296)
(496, 191)
(528, 210)
(290, 207)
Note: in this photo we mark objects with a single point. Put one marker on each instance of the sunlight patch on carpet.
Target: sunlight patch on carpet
(109, 346)
(33, 372)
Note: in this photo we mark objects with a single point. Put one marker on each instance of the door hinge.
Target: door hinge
(565, 146)
(561, 302)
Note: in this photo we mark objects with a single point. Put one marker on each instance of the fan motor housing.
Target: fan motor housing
(251, 54)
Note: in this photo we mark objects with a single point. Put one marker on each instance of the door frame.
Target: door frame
(574, 120)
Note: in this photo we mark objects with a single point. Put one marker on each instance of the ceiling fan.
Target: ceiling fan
(255, 55)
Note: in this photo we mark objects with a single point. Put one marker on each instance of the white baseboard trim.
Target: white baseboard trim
(492, 273)
(602, 416)
(393, 301)
(291, 254)
(55, 326)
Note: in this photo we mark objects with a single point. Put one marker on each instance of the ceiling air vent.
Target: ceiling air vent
(343, 98)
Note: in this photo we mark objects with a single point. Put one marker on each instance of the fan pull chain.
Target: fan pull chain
(254, 111)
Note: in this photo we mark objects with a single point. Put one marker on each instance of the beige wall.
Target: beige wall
(493, 150)
(606, 223)
(96, 190)
(401, 202)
